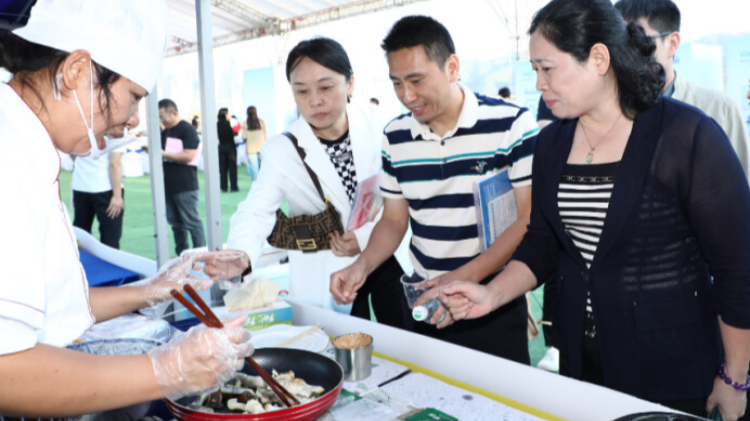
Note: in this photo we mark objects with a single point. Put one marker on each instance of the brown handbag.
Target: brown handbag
(308, 233)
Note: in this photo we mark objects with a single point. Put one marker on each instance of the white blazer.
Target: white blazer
(282, 175)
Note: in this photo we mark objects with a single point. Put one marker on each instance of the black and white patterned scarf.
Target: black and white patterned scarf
(340, 152)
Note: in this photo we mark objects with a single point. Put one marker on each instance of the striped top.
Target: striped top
(583, 200)
(435, 174)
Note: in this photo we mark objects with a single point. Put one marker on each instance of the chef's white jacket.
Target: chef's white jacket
(282, 175)
(43, 288)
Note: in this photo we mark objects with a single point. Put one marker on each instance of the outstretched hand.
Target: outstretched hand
(466, 300)
(222, 264)
(346, 282)
(441, 317)
(172, 275)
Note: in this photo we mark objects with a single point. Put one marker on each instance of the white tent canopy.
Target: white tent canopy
(238, 20)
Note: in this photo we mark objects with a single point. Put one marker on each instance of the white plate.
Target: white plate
(272, 336)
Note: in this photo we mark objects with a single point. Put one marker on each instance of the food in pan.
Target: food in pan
(250, 394)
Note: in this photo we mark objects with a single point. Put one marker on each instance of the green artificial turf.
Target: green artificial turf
(138, 225)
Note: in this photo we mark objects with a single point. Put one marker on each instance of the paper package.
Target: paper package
(258, 301)
(252, 295)
(279, 312)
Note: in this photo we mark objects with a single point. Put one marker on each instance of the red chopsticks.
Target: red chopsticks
(210, 320)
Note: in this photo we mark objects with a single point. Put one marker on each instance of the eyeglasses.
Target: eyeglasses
(663, 34)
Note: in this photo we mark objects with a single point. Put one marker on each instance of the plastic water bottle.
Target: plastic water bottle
(424, 312)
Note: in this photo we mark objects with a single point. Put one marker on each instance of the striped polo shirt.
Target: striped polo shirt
(436, 174)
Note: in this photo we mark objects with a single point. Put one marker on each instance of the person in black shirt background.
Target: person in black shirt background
(180, 177)
(227, 152)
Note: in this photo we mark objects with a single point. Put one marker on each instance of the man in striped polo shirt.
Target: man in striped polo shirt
(431, 157)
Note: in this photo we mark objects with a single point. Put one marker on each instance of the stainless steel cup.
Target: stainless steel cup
(356, 362)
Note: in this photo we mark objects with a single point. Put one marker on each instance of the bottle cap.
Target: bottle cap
(420, 313)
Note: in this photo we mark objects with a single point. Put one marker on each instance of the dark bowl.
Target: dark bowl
(314, 368)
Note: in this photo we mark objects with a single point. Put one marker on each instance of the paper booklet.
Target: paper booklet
(367, 202)
(174, 145)
(495, 205)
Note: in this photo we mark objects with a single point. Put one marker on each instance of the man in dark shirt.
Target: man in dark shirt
(179, 143)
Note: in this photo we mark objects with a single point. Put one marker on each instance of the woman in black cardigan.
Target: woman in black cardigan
(638, 203)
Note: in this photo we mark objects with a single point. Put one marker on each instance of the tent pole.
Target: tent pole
(157, 179)
(210, 135)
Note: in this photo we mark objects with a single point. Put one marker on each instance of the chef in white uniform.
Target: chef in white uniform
(80, 68)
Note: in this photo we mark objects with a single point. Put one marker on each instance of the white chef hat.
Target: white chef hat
(128, 37)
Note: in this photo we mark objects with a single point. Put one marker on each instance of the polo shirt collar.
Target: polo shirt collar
(467, 119)
(670, 90)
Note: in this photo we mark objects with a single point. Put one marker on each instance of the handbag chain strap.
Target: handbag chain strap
(302, 155)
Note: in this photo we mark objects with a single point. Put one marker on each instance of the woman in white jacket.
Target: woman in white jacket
(342, 147)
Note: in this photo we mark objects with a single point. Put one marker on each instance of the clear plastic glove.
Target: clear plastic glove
(172, 275)
(222, 264)
(200, 359)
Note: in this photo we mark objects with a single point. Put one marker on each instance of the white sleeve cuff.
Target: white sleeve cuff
(16, 336)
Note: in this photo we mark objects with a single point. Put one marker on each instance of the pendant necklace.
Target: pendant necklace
(592, 149)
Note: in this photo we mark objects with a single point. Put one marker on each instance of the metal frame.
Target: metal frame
(210, 136)
(241, 11)
(275, 26)
(158, 198)
(210, 145)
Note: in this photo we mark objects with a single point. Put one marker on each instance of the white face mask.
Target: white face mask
(111, 143)
(89, 130)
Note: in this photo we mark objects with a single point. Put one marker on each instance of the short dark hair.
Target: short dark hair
(504, 92)
(324, 51)
(23, 58)
(168, 105)
(223, 112)
(574, 26)
(662, 15)
(411, 31)
(375, 100)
